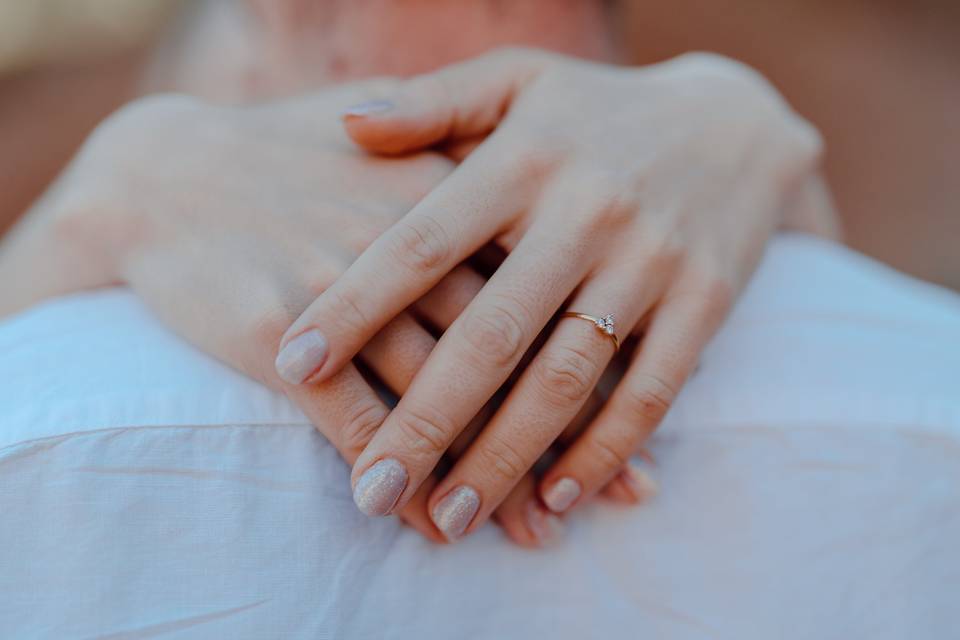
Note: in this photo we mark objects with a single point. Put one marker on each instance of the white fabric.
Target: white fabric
(810, 478)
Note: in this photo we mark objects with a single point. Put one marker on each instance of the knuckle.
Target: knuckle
(423, 430)
(669, 252)
(709, 297)
(612, 450)
(320, 274)
(531, 153)
(496, 334)
(649, 398)
(423, 245)
(345, 309)
(612, 197)
(664, 261)
(566, 375)
(719, 295)
(360, 425)
(615, 207)
(501, 460)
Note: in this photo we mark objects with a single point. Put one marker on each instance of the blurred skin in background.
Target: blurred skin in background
(877, 78)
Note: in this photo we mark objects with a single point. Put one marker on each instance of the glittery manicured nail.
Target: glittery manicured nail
(546, 527)
(301, 356)
(562, 494)
(368, 108)
(453, 514)
(638, 483)
(379, 487)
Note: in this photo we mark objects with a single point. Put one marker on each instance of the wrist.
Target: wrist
(59, 246)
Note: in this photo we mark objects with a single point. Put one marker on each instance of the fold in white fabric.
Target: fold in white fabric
(810, 488)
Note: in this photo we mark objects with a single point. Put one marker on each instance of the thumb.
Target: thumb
(462, 101)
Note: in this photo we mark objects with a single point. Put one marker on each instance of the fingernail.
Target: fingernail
(368, 108)
(453, 514)
(546, 527)
(301, 356)
(638, 483)
(562, 494)
(380, 486)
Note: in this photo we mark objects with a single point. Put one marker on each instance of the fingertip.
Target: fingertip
(374, 126)
(638, 483)
(389, 133)
(301, 357)
(379, 488)
(531, 525)
(393, 128)
(515, 529)
(415, 512)
(561, 495)
(421, 523)
(362, 111)
(615, 491)
(632, 485)
(455, 512)
(546, 527)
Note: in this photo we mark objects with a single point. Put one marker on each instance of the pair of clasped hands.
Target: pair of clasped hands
(317, 242)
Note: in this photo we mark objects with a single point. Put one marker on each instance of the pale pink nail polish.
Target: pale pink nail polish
(638, 483)
(301, 356)
(545, 526)
(562, 494)
(368, 108)
(453, 514)
(380, 486)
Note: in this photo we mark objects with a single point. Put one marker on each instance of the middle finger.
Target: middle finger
(473, 359)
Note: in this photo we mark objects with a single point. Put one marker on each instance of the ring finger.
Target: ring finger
(681, 327)
(472, 360)
(546, 398)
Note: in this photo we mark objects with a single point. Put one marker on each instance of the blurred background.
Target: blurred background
(879, 78)
(64, 65)
(35, 32)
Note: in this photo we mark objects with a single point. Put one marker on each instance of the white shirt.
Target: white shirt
(809, 473)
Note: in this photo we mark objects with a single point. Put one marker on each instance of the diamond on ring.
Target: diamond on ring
(605, 324)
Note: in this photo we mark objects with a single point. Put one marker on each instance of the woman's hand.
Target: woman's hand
(228, 222)
(648, 194)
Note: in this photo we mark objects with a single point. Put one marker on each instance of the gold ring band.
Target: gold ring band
(604, 325)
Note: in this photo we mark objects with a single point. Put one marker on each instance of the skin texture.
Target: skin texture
(169, 197)
(241, 251)
(648, 194)
(97, 226)
(304, 65)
